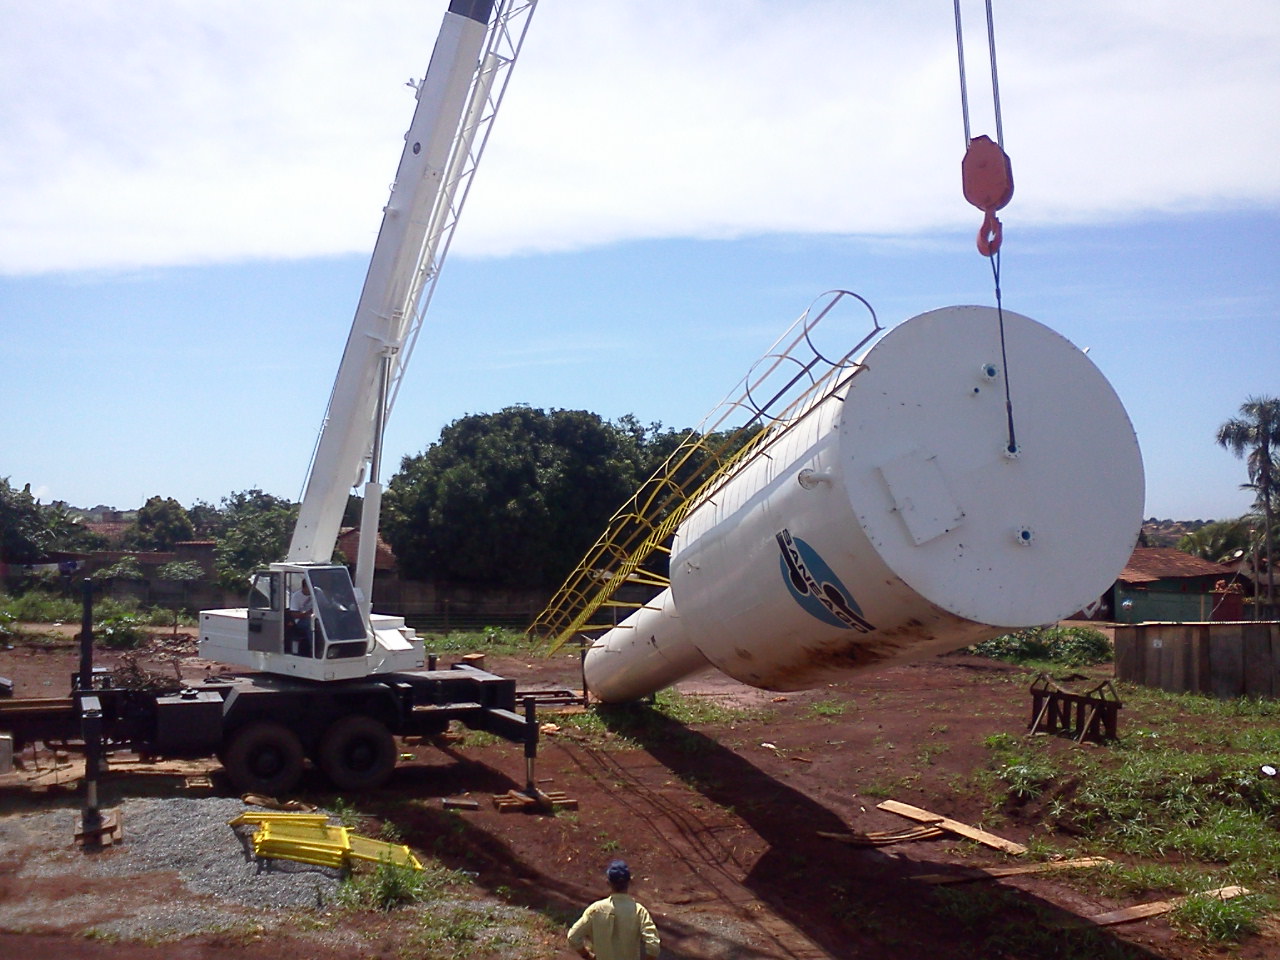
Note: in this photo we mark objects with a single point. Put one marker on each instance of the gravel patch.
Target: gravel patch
(221, 885)
(181, 871)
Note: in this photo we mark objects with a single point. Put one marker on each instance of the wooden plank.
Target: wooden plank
(1256, 639)
(1173, 664)
(1194, 660)
(952, 826)
(1159, 642)
(1227, 658)
(1128, 653)
(1155, 908)
(1274, 666)
(1016, 870)
(110, 830)
(885, 837)
(1203, 664)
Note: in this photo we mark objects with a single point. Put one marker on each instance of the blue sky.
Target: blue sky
(190, 193)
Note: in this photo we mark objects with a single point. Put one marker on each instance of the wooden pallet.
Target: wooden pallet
(514, 801)
(109, 831)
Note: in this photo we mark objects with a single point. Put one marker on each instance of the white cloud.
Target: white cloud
(162, 132)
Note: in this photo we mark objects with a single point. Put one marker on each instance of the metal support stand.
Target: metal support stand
(86, 635)
(96, 829)
(531, 799)
(530, 744)
(1090, 715)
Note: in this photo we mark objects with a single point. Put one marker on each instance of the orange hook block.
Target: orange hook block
(988, 185)
(990, 234)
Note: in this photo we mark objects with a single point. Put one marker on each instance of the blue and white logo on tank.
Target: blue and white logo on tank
(815, 586)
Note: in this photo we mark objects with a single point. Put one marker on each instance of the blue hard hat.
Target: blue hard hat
(618, 871)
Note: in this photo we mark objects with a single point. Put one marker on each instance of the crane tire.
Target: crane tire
(357, 753)
(264, 757)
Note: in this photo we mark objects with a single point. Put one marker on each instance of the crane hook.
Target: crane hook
(987, 176)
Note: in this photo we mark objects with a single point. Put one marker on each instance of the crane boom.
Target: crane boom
(305, 617)
(457, 99)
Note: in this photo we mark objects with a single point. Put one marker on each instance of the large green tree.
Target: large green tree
(1254, 435)
(511, 498)
(256, 527)
(24, 535)
(29, 531)
(161, 522)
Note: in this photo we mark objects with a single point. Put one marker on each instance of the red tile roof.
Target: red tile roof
(349, 544)
(1149, 564)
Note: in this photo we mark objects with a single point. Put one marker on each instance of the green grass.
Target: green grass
(1215, 920)
(36, 606)
(627, 726)
(459, 931)
(498, 641)
(1007, 924)
(1069, 646)
(828, 708)
(387, 885)
(1183, 786)
(345, 812)
(118, 624)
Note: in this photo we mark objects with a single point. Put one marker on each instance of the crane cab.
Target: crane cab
(305, 620)
(311, 613)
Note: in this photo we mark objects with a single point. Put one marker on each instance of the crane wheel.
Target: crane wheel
(265, 758)
(357, 753)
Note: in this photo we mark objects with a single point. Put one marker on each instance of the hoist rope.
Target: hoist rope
(1012, 448)
(964, 83)
(985, 193)
(995, 81)
(964, 86)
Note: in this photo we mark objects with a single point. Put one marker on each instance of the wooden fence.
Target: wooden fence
(1227, 659)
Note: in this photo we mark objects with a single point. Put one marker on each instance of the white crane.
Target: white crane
(305, 617)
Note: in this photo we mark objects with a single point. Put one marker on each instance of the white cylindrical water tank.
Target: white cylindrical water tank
(891, 520)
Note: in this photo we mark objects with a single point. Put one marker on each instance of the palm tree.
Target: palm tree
(1221, 541)
(1255, 436)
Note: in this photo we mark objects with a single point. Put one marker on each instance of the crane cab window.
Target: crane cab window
(264, 593)
(338, 611)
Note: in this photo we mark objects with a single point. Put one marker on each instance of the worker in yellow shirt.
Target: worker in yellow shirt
(617, 927)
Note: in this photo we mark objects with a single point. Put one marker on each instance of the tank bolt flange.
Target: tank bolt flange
(810, 478)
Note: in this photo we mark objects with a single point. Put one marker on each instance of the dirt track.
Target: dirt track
(720, 823)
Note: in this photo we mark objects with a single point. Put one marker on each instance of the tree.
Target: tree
(1221, 541)
(161, 522)
(67, 530)
(126, 568)
(24, 535)
(510, 498)
(1255, 436)
(256, 531)
(206, 520)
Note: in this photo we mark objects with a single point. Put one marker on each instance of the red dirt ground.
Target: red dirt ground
(720, 824)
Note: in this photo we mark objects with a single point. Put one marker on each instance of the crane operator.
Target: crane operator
(299, 619)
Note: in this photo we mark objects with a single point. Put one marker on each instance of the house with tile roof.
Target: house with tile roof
(1166, 584)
